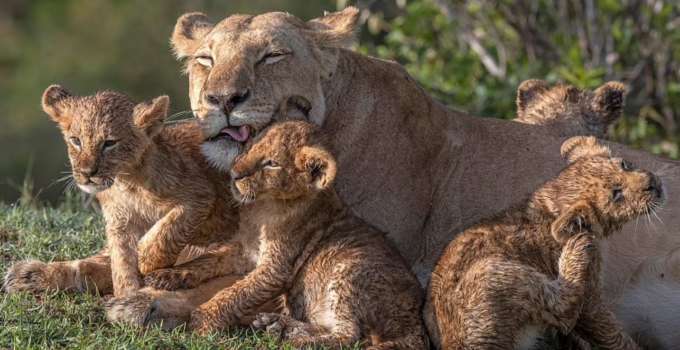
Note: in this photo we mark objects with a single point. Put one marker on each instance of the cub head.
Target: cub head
(241, 68)
(577, 112)
(285, 162)
(106, 133)
(597, 193)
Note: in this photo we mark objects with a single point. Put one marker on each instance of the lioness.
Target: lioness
(156, 190)
(408, 165)
(498, 284)
(341, 279)
(569, 110)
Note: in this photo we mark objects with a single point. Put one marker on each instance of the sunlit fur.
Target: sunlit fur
(157, 192)
(568, 110)
(341, 279)
(537, 265)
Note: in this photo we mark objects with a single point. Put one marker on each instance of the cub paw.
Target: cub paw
(170, 279)
(28, 276)
(269, 323)
(142, 309)
(203, 324)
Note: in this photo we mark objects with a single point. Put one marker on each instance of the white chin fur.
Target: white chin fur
(91, 189)
(221, 153)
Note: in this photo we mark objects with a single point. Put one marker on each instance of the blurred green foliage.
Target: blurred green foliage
(469, 54)
(473, 54)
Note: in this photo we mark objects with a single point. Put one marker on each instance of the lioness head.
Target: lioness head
(596, 191)
(584, 112)
(106, 133)
(240, 69)
(286, 161)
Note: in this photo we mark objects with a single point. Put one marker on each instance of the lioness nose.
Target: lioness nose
(227, 102)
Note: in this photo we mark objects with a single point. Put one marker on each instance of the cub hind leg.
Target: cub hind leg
(89, 275)
(501, 304)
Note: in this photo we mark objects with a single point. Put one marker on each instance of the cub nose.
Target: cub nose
(88, 173)
(654, 185)
(227, 103)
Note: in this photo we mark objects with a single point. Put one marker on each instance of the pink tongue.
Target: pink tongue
(241, 134)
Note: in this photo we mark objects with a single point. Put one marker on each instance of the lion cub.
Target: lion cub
(572, 111)
(499, 284)
(342, 280)
(156, 190)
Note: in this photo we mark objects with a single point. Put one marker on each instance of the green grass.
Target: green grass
(60, 320)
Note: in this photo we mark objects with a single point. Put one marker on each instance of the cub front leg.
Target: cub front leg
(162, 244)
(221, 261)
(224, 310)
(122, 245)
(90, 275)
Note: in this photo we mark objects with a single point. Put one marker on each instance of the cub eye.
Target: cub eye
(617, 194)
(109, 143)
(271, 164)
(206, 61)
(625, 166)
(274, 56)
(75, 141)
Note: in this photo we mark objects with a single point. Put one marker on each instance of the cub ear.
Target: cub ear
(610, 99)
(581, 146)
(320, 165)
(56, 102)
(189, 31)
(294, 108)
(336, 29)
(150, 116)
(528, 92)
(580, 218)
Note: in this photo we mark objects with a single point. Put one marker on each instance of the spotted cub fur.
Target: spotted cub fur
(157, 192)
(500, 284)
(341, 279)
(569, 110)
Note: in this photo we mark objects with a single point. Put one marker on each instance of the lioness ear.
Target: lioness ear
(581, 146)
(189, 31)
(337, 29)
(320, 164)
(150, 116)
(580, 218)
(528, 92)
(55, 102)
(609, 100)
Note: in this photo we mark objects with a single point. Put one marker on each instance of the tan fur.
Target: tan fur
(156, 190)
(537, 265)
(408, 165)
(342, 281)
(568, 110)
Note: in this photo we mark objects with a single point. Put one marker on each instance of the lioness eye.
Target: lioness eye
(205, 61)
(109, 143)
(274, 56)
(617, 194)
(75, 141)
(271, 164)
(625, 166)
